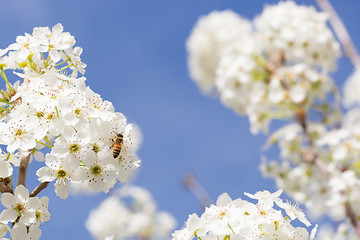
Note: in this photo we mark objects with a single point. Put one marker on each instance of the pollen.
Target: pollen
(38, 215)
(222, 214)
(262, 212)
(50, 116)
(74, 148)
(95, 148)
(96, 170)
(19, 132)
(78, 112)
(40, 114)
(19, 208)
(277, 224)
(61, 174)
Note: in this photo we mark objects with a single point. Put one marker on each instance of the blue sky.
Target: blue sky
(135, 52)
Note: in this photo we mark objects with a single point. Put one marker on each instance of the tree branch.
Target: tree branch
(6, 185)
(23, 168)
(341, 32)
(351, 215)
(199, 191)
(39, 188)
(310, 156)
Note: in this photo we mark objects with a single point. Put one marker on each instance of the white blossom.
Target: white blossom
(351, 89)
(209, 37)
(52, 108)
(139, 218)
(239, 219)
(299, 32)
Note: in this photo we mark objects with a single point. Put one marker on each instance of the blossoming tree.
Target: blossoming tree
(277, 66)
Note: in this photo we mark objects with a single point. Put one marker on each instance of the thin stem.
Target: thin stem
(2, 73)
(231, 228)
(57, 112)
(341, 32)
(23, 168)
(39, 188)
(60, 63)
(43, 58)
(311, 156)
(199, 191)
(67, 66)
(351, 215)
(43, 144)
(47, 140)
(48, 59)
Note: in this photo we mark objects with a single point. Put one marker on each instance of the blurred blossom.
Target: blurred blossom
(208, 38)
(127, 214)
(271, 71)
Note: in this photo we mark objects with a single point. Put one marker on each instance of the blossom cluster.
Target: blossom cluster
(240, 219)
(52, 107)
(27, 212)
(279, 67)
(281, 70)
(51, 111)
(331, 188)
(343, 232)
(129, 213)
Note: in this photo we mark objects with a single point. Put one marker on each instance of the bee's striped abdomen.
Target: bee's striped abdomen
(118, 145)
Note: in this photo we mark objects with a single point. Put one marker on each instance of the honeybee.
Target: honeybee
(118, 144)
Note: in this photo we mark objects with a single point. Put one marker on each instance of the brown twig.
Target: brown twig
(6, 185)
(351, 215)
(23, 168)
(39, 188)
(341, 32)
(199, 191)
(310, 156)
(352, 53)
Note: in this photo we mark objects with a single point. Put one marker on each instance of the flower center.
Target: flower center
(19, 208)
(19, 132)
(38, 215)
(50, 116)
(74, 148)
(222, 214)
(40, 114)
(262, 212)
(77, 112)
(96, 170)
(61, 174)
(95, 148)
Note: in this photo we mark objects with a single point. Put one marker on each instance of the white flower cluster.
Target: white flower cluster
(208, 38)
(299, 32)
(26, 212)
(240, 219)
(300, 179)
(118, 218)
(270, 72)
(52, 107)
(351, 90)
(343, 232)
(329, 186)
